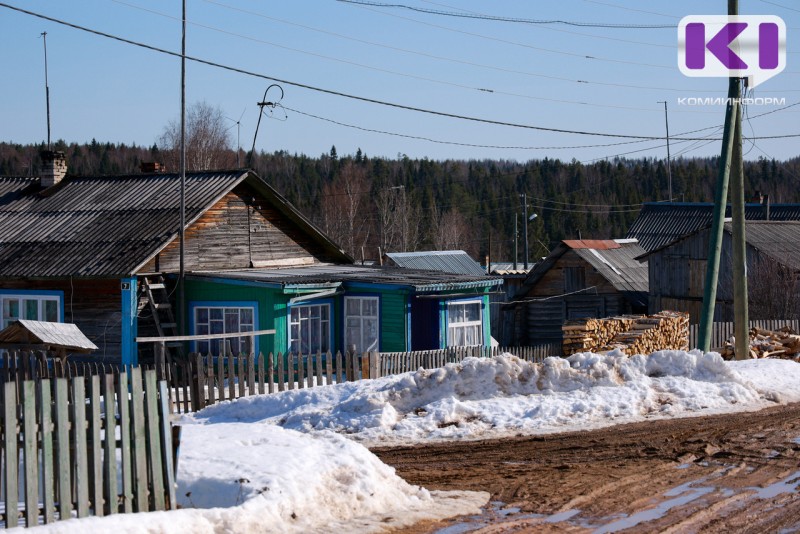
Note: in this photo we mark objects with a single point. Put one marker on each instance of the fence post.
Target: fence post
(11, 451)
(198, 383)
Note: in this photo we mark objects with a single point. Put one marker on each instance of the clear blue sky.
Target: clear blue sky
(502, 71)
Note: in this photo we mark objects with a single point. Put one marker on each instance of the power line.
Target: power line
(518, 20)
(452, 60)
(340, 93)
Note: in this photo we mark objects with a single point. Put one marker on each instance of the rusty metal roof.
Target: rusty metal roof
(597, 244)
(110, 225)
(660, 223)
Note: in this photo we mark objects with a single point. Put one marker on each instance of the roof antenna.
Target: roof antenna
(46, 88)
(261, 105)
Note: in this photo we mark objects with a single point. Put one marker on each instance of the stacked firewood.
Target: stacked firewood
(783, 343)
(632, 334)
(586, 335)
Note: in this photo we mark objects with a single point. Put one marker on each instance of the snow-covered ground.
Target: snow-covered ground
(296, 461)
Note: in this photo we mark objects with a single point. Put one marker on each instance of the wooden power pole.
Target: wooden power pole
(730, 159)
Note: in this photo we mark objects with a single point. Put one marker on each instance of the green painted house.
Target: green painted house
(103, 253)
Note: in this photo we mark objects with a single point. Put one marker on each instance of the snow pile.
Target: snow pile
(239, 471)
(235, 477)
(480, 398)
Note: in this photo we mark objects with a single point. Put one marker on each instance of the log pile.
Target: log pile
(783, 344)
(632, 334)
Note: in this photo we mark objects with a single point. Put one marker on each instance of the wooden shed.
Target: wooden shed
(578, 279)
(677, 272)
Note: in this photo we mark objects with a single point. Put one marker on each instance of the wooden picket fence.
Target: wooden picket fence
(205, 380)
(66, 442)
(722, 332)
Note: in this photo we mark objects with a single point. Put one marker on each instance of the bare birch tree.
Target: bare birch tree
(208, 140)
(344, 216)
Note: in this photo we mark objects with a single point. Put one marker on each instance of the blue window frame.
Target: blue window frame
(311, 327)
(224, 318)
(31, 304)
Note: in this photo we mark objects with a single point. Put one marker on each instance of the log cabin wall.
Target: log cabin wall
(94, 305)
(241, 230)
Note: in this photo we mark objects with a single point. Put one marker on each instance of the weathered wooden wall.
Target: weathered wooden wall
(241, 230)
(539, 321)
(94, 305)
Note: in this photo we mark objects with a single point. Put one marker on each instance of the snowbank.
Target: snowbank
(481, 398)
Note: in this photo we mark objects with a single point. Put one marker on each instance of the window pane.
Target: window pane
(51, 310)
(472, 312)
(216, 314)
(246, 315)
(371, 308)
(31, 307)
(353, 306)
(217, 327)
(231, 321)
(352, 337)
(202, 315)
(11, 308)
(201, 329)
(371, 334)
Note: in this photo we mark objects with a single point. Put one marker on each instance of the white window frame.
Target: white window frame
(307, 323)
(360, 319)
(214, 346)
(453, 325)
(21, 298)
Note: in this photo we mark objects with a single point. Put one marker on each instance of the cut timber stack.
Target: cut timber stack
(632, 334)
(783, 344)
(588, 335)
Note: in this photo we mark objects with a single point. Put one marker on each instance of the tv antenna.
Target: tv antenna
(46, 87)
(261, 105)
(238, 145)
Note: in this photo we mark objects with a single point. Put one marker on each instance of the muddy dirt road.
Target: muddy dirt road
(727, 473)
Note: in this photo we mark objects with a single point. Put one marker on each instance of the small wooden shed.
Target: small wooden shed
(578, 279)
(60, 338)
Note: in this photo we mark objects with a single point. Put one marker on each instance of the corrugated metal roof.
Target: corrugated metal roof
(779, 240)
(95, 226)
(660, 223)
(110, 225)
(617, 265)
(596, 244)
(446, 261)
(419, 280)
(65, 335)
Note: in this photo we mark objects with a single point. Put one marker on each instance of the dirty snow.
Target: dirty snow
(295, 461)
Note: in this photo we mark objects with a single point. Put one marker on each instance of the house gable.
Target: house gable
(241, 230)
(552, 282)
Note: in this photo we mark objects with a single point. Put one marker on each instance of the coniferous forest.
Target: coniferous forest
(405, 204)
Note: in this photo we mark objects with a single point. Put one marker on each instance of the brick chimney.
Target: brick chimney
(54, 167)
(151, 167)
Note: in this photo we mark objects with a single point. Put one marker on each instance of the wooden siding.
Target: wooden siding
(93, 305)
(239, 229)
(552, 282)
(677, 277)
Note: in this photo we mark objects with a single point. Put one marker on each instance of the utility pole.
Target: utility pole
(525, 227)
(731, 145)
(516, 239)
(181, 270)
(669, 167)
(46, 88)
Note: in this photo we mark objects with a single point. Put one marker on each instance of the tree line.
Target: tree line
(368, 204)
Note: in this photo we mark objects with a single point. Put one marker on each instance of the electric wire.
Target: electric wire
(517, 20)
(348, 95)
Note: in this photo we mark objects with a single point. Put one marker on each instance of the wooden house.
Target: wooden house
(102, 252)
(578, 279)
(661, 223)
(677, 272)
